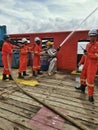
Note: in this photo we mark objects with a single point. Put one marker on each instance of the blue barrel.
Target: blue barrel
(2, 31)
(15, 60)
(1, 64)
(44, 63)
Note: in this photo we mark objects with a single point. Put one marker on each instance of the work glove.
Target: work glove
(58, 48)
(85, 50)
(96, 54)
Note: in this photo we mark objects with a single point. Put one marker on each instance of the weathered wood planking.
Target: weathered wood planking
(5, 124)
(59, 93)
(73, 111)
(16, 119)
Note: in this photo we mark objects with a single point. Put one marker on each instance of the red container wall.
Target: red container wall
(67, 56)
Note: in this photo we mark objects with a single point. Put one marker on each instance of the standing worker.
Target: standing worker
(52, 57)
(23, 59)
(92, 55)
(83, 62)
(36, 58)
(83, 58)
(91, 63)
(7, 53)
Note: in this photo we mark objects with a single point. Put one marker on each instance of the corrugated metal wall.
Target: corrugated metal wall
(67, 56)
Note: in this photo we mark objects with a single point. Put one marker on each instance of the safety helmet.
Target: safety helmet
(49, 43)
(92, 32)
(37, 39)
(24, 40)
(6, 36)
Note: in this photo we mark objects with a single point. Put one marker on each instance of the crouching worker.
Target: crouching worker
(7, 53)
(52, 57)
(36, 58)
(23, 59)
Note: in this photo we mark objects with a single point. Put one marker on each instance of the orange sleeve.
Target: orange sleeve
(37, 50)
(83, 58)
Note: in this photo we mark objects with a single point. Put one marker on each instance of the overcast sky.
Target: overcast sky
(29, 16)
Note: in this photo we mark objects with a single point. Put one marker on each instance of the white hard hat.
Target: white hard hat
(24, 40)
(92, 32)
(37, 39)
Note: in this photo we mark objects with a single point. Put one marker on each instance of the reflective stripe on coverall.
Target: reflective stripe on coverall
(23, 58)
(7, 55)
(92, 66)
(36, 58)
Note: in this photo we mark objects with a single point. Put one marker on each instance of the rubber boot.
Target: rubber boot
(4, 77)
(25, 74)
(20, 76)
(39, 72)
(91, 99)
(34, 73)
(81, 87)
(10, 77)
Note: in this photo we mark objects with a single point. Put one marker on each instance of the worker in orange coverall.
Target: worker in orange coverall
(23, 59)
(83, 58)
(7, 53)
(91, 63)
(83, 72)
(36, 59)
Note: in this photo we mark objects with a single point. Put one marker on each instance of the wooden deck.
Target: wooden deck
(17, 109)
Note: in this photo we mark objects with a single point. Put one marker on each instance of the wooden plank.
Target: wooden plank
(16, 119)
(16, 110)
(69, 127)
(7, 125)
(26, 100)
(25, 106)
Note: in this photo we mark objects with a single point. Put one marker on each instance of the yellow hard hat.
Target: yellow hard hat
(49, 43)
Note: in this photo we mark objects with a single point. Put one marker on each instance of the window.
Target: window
(81, 46)
(44, 41)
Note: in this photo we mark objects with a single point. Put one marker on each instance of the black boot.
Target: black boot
(91, 99)
(10, 77)
(39, 72)
(34, 73)
(20, 76)
(25, 74)
(4, 77)
(81, 87)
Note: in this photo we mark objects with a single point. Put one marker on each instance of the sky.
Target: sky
(33, 16)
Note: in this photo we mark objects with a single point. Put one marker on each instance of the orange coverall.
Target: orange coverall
(83, 58)
(23, 58)
(84, 69)
(92, 62)
(36, 58)
(7, 55)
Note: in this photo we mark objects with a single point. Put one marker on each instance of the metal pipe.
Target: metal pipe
(77, 28)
